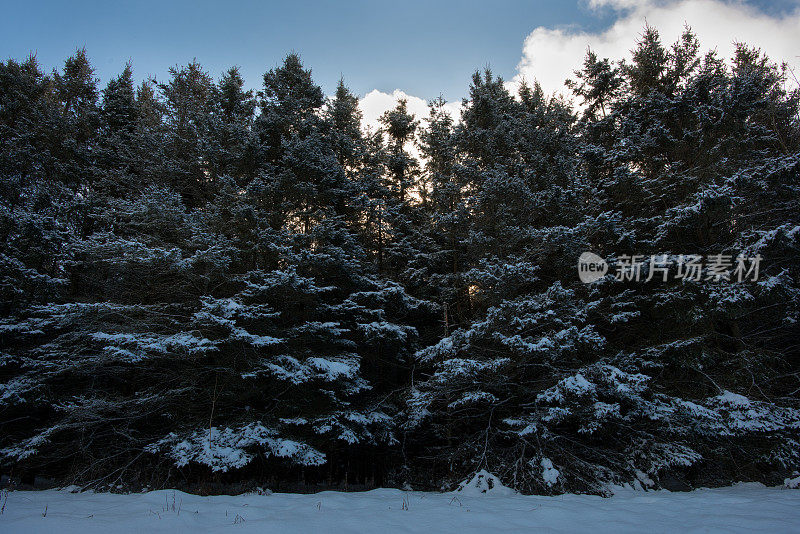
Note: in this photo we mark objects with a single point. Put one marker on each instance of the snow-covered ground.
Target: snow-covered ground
(741, 508)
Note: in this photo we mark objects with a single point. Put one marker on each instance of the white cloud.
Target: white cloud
(551, 55)
(375, 103)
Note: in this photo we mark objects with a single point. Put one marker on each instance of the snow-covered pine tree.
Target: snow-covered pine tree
(672, 383)
(191, 293)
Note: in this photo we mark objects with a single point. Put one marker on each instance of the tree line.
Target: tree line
(206, 286)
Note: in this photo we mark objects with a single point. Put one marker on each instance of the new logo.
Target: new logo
(591, 267)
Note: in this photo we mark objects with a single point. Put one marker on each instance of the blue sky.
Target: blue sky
(422, 47)
(425, 47)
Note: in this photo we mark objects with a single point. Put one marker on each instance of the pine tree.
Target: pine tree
(187, 101)
(400, 127)
(599, 85)
(229, 146)
(200, 284)
(119, 118)
(345, 117)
